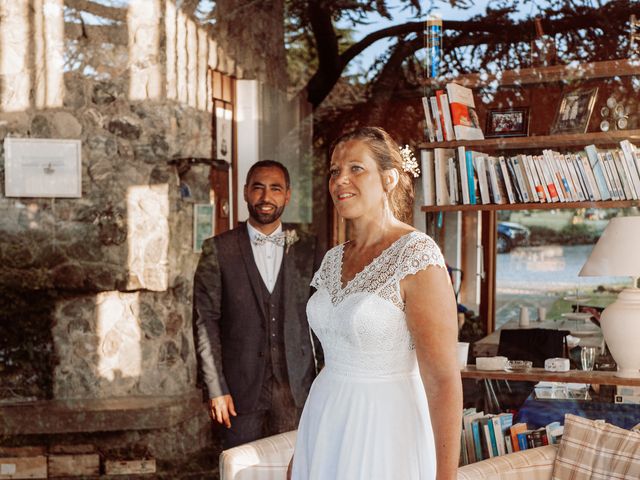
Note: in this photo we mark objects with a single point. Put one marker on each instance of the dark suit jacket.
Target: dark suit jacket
(230, 321)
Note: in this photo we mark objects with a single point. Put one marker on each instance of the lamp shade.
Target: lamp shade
(617, 252)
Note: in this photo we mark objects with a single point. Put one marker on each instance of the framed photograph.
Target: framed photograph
(224, 131)
(507, 122)
(36, 167)
(203, 224)
(575, 111)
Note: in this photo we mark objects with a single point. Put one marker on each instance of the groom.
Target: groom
(253, 342)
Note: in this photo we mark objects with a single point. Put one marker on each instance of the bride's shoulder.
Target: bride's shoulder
(421, 250)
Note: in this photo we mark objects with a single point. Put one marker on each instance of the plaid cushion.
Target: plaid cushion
(592, 449)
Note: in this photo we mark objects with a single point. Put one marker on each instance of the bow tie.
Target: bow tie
(277, 239)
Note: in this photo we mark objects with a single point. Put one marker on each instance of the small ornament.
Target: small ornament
(409, 162)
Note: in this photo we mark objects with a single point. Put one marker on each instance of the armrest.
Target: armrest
(531, 464)
(264, 458)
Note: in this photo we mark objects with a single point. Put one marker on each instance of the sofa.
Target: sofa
(268, 458)
(588, 449)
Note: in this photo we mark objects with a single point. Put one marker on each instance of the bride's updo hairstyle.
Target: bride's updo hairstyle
(386, 153)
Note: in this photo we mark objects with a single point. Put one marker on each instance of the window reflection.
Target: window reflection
(543, 271)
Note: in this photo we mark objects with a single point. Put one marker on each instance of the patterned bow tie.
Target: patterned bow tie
(277, 239)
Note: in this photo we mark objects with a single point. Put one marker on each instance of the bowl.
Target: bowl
(518, 365)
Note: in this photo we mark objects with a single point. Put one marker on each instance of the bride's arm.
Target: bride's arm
(432, 318)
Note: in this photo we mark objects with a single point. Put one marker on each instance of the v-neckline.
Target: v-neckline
(342, 286)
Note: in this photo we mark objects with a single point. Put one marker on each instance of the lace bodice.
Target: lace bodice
(362, 326)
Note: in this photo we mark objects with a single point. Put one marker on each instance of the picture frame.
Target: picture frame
(203, 224)
(507, 122)
(574, 111)
(43, 168)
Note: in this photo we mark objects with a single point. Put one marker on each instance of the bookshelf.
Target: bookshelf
(541, 141)
(540, 89)
(530, 206)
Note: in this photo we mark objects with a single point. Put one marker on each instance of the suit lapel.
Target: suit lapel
(250, 265)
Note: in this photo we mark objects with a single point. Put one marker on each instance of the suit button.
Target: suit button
(273, 319)
(261, 354)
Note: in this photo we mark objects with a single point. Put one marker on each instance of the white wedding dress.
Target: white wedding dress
(366, 416)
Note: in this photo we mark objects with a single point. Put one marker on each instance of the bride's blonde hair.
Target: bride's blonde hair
(386, 153)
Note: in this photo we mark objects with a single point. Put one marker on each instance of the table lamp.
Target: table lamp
(617, 253)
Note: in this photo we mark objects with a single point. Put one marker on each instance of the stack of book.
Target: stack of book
(464, 176)
(450, 115)
(488, 435)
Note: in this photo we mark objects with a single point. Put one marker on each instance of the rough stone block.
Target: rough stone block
(74, 465)
(130, 467)
(23, 462)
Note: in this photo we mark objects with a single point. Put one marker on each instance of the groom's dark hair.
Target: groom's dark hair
(269, 164)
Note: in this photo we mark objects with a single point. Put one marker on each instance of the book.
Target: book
(626, 153)
(625, 175)
(454, 198)
(520, 162)
(472, 178)
(428, 122)
(480, 165)
(467, 431)
(614, 182)
(437, 119)
(495, 186)
(427, 167)
(506, 179)
(477, 439)
(589, 176)
(537, 182)
(514, 431)
(443, 103)
(464, 175)
(598, 171)
(503, 421)
(464, 118)
(441, 162)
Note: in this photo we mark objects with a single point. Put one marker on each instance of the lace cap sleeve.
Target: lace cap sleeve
(418, 253)
(320, 277)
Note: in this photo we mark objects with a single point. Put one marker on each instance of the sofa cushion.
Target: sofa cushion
(532, 464)
(593, 449)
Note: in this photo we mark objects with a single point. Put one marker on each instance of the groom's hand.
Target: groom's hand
(221, 407)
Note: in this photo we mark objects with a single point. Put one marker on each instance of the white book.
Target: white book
(518, 170)
(427, 166)
(436, 118)
(566, 176)
(528, 177)
(595, 162)
(541, 191)
(463, 114)
(496, 190)
(427, 118)
(608, 175)
(446, 113)
(441, 158)
(575, 178)
(550, 186)
(480, 164)
(623, 174)
(587, 177)
(552, 174)
(506, 179)
(453, 181)
(628, 157)
(464, 175)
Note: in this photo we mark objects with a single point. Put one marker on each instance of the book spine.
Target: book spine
(464, 175)
(598, 172)
(590, 176)
(471, 178)
(437, 119)
(428, 176)
(427, 118)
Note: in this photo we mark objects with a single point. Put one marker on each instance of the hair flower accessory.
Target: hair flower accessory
(290, 237)
(409, 162)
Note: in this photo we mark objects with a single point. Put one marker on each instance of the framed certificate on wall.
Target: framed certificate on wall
(38, 167)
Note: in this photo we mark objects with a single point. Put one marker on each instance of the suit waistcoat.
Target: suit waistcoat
(274, 308)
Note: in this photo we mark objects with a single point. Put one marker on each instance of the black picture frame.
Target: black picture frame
(507, 122)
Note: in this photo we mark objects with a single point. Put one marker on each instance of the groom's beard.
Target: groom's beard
(265, 218)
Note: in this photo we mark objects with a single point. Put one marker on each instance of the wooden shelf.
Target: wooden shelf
(542, 141)
(556, 73)
(530, 206)
(540, 374)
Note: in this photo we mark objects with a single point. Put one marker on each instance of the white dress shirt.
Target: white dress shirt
(268, 256)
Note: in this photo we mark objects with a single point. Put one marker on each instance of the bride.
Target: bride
(388, 403)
